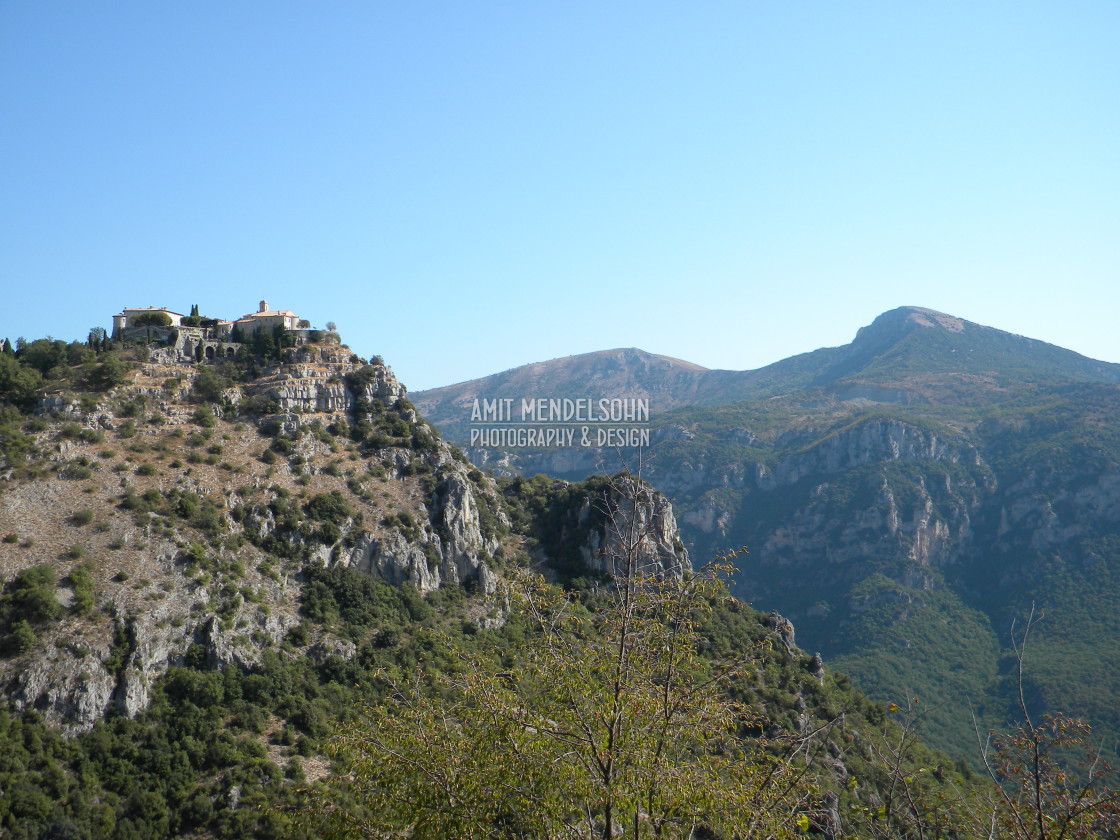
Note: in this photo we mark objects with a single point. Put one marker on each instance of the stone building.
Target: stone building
(265, 318)
(125, 319)
(209, 339)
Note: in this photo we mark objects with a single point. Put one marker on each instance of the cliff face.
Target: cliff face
(153, 606)
(313, 380)
(452, 551)
(903, 546)
(195, 540)
(634, 532)
(196, 524)
(904, 498)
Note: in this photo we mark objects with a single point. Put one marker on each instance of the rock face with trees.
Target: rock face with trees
(209, 569)
(933, 473)
(190, 482)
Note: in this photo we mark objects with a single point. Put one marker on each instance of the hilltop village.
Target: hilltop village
(196, 338)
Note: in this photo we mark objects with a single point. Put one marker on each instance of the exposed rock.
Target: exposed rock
(638, 533)
(816, 667)
(674, 433)
(396, 560)
(709, 516)
(736, 435)
(329, 647)
(56, 404)
(66, 684)
(783, 629)
(220, 593)
(574, 461)
(249, 633)
(324, 380)
(455, 518)
(871, 441)
(455, 551)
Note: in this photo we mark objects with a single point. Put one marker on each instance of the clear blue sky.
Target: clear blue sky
(465, 187)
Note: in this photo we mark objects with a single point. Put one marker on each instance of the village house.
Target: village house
(127, 318)
(265, 318)
(189, 338)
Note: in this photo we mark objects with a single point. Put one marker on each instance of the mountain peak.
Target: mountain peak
(918, 316)
(897, 323)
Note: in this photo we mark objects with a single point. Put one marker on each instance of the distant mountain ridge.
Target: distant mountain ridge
(907, 355)
(623, 373)
(904, 497)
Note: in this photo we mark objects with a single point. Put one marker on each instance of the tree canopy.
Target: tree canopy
(610, 724)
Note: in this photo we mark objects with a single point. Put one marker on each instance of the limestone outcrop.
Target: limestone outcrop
(629, 528)
(199, 557)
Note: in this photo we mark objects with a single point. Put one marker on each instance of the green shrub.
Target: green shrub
(151, 319)
(70, 430)
(75, 471)
(328, 533)
(204, 417)
(81, 581)
(283, 445)
(30, 596)
(91, 436)
(21, 638)
(15, 447)
(270, 428)
(209, 384)
(404, 523)
(259, 405)
(209, 519)
(133, 408)
(330, 507)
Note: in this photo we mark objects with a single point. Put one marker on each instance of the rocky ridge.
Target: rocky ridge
(630, 529)
(205, 562)
(932, 473)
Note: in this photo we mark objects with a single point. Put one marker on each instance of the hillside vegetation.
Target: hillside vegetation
(210, 570)
(905, 498)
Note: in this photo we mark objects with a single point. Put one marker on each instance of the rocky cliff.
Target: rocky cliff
(628, 529)
(195, 528)
(934, 473)
(195, 522)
